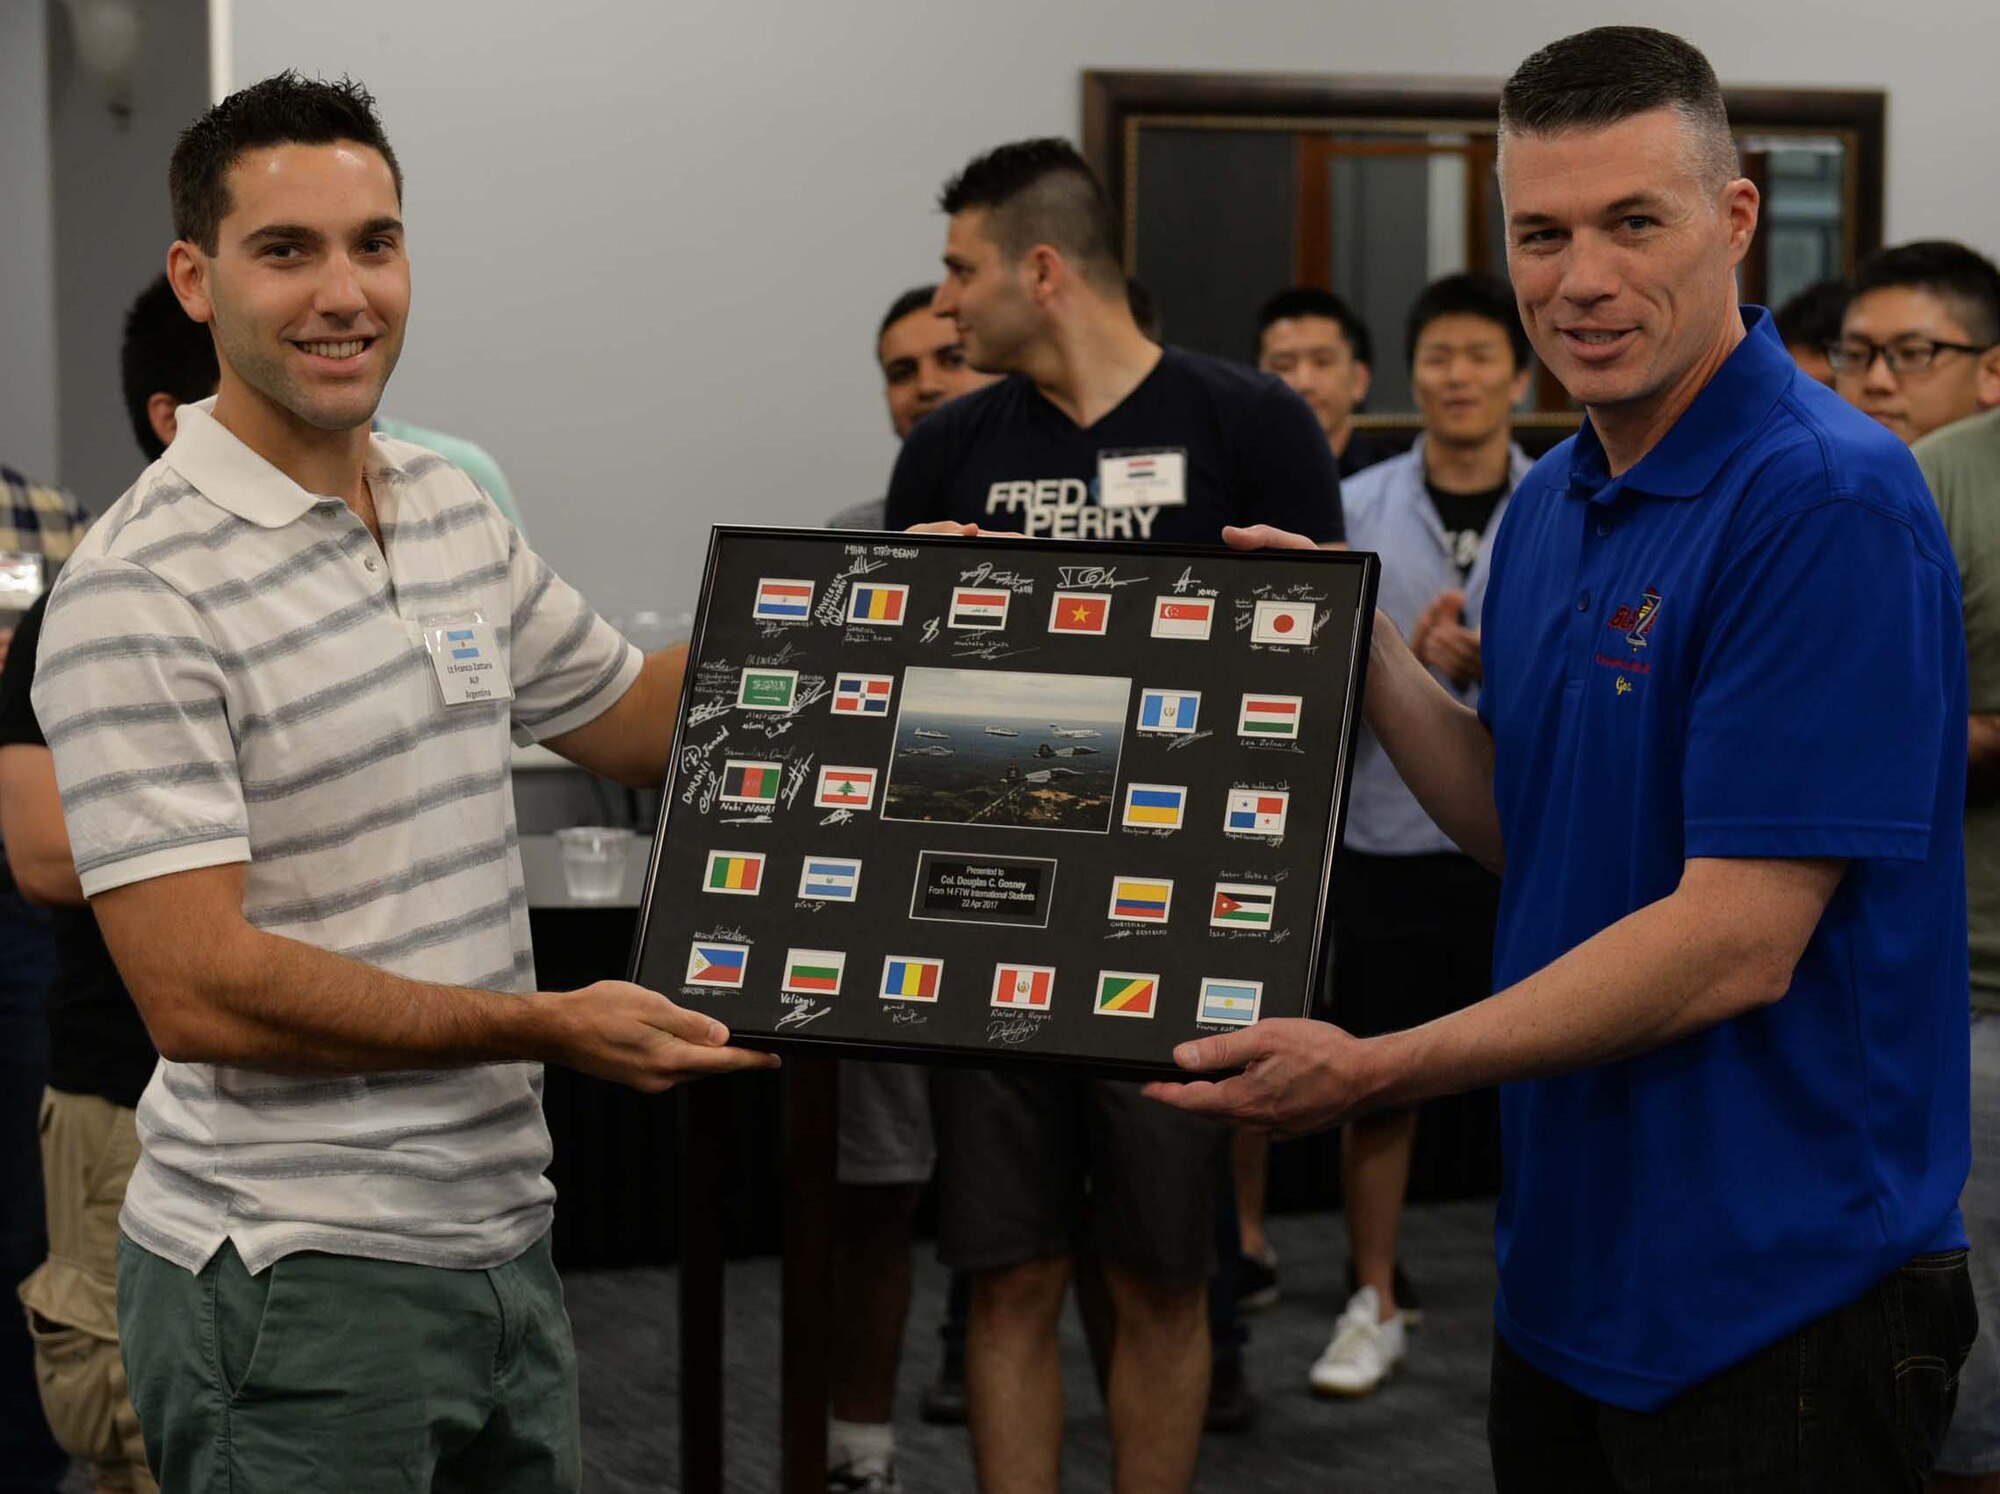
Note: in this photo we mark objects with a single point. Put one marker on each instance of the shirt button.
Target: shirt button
(1603, 530)
(370, 563)
(1583, 602)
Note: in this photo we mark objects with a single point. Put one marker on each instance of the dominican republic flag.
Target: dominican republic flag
(783, 601)
(1141, 899)
(1170, 711)
(813, 972)
(911, 978)
(1242, 905)
(1080, 612)
(984, 611)
(745, 782)
(1121, 993)
(1269, 716)
(1256, 811)
(1229, 1003)
(878, 602)
(1155, 805)
(844, 788)
(737, 872)
(829, 879)
(1023, 988)
(718, 965)
(862, 694)
(1183, 617)
(1282, 622)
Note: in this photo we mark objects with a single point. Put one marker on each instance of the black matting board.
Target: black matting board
(1020, 775)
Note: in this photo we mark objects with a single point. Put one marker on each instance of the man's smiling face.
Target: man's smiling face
(308, 290)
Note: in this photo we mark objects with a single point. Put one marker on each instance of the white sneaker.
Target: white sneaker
(1363, 1352)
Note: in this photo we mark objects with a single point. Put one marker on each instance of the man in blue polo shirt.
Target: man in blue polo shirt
(1720, 759)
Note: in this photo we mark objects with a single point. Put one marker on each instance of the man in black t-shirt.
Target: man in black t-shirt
(1096, 433)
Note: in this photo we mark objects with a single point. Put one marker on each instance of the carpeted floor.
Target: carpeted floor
(1425, 1431)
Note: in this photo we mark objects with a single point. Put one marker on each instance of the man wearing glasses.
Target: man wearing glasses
(1920, 344)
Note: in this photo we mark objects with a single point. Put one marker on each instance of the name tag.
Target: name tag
(466, 656)
(21, 577)
(1142, 479)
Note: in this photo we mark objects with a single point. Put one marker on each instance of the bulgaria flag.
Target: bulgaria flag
(1023, 988)
(813, 972)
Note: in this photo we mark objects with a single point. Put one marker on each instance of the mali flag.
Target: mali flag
(727, 873)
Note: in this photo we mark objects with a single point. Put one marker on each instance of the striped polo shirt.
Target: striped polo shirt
(232, 671)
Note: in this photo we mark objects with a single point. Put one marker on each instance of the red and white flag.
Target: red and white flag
(1080, 612)
(1183, 617)
(1023, 988)
(1282, 622)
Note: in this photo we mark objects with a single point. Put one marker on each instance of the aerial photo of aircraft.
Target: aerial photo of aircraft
(1001, 731)
(1045, 750)
(1073, 731)
(925, 731)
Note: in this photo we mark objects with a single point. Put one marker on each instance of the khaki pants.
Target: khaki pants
(89, 1147)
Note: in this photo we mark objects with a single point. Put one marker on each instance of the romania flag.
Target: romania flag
(911, 978)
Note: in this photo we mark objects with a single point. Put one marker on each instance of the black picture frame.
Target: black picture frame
(976, 851)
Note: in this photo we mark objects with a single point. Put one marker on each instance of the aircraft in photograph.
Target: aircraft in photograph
(1049, 775)
(1045, 750)
(1073, 731)
(1001, 731)
(925, 731)
(926, 752)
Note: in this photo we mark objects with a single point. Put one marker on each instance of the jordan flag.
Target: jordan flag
(1242, 905)
(1080, 612)
(1023, 988)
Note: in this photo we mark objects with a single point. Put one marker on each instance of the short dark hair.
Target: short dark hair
(1308, 300)
(283, 110)
(1964, 279)
(1041, 192)
(1611, 73)
(164, 351)
(1811, 318)
(1470, 294)
(917, 298)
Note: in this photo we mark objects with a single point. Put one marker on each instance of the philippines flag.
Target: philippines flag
(1282, 622)
(783, 601)
(984, 611)
(1269, 716)
(1141, 899)
(878, 602)
(1256, 811)
(1229, 1003)
(1080, 612)
(911, 978)
(719, 965)
(862, 694)
(829, 879)
(1183, 617)
(1023, 988)
(814, 972)
(1170, 711)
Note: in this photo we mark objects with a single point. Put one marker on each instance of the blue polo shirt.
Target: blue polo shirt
(1747, 645)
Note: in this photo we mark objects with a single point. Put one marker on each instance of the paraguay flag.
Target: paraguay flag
(783, 601)
(718, 965)
(877, 602)
(911, 978)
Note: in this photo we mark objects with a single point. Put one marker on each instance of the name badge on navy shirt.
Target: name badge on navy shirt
(465, 653)
(1142, 479)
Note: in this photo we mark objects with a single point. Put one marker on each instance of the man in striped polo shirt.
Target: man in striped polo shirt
(280, 679)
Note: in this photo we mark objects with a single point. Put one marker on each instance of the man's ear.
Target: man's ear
(187, 273)
(1986, 380)
(1044, 272)
(1363, 379)
(160, 408)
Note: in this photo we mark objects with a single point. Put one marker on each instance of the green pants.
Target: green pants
(334, 1375)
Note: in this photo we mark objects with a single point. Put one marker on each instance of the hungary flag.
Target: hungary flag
(1270, 716)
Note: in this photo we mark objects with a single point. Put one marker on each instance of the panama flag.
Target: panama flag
(718, 965)
(1080, 612)
(739, 873)
(1171, 711)
(813, 972)
(1282, 622)
(1269, 716)
(911, 978)
(1242, 905)
(978, 609)
(753, 783)
(1256, 811)
(862, 694)
(1121, 993)
(1141, 899)
(878, 602)
(1156, 806)
(1023, 988)
(1229, 1003)
(1183, 617)
(829, 879)
(783, 601)
(844, 788)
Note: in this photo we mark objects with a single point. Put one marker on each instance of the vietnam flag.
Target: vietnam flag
(1080, 612)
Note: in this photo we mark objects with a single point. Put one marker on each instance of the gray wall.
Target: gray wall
(27, 275)
(652, 241)
(112, 227)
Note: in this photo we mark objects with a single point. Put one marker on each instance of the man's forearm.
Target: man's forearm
(1439, 745)
(632, 741)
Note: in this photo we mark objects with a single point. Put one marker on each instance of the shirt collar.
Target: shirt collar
(234, 478)
(1727, 412)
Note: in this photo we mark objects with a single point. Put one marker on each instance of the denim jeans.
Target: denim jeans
(1855, 1402)
(30, 1461)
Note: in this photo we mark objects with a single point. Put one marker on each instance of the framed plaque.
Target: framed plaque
(993, 800)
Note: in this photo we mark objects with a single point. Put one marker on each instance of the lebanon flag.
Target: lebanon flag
(1025, 988)
(844, 788)
(1080, 612)
(1182, 617)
